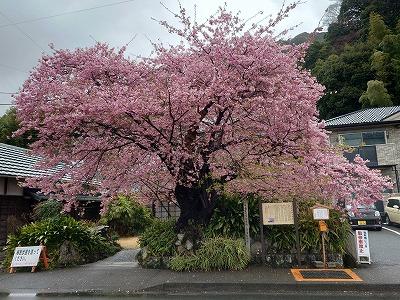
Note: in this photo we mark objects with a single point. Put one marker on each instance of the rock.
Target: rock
(189, 245)
(178, 243)
(69, 255)
(180, 236)
(145, 253)
(255, 249)
(318, 264)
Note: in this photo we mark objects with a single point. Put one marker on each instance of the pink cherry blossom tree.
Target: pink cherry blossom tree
(229, 106)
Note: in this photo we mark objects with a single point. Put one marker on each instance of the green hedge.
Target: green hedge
(159, 238)
(52, 233)
(217, 253)
(126, 216)
(47, 209)
(282, 239)
(227, 221)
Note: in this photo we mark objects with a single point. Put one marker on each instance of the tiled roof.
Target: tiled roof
(16, 161)
(364, 116)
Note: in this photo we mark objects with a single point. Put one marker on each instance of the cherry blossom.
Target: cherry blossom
(229, 106)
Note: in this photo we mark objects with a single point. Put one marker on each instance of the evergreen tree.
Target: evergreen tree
(362, 45)
(376, 95)
(377, 29)
(345, 77)
(8, 125)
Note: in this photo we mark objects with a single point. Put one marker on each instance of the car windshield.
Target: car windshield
(366, 207)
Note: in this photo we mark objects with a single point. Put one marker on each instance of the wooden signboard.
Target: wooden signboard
(320, 212)
(29, 257)
(277, 213)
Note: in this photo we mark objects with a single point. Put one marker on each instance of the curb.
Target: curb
(248, 289)
(276, 287)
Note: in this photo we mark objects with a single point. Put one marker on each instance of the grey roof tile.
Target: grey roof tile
(364, 116)
(17, 162)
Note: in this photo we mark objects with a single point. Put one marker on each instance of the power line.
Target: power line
(12, 68)
(7, 93)
(63, 14)
(23, 32)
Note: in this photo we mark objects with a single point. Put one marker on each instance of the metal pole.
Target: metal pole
(397, 178)
(323, 249)
(263, 252)
(296, 227)
(246, 223)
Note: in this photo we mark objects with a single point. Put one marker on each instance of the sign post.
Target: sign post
(260, 207)
(320, 214)
(362, 242)
(29, 257)
(246, 223)
(296, 228)
(284, 213)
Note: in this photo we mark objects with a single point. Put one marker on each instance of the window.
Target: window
(351, 139)
(373, 138)
(393, 202)
(362, 138)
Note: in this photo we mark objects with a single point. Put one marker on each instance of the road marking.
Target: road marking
(17, 295)
(391, 230)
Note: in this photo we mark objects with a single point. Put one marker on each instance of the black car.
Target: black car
(365, 217)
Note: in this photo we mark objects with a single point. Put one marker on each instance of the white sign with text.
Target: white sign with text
(321, 213)
(277, 213)
(362, 245)
(26, 256)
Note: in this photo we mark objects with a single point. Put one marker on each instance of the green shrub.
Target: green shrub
(159, 238)
(181, 263)
(282, 239)
(227, 219)
(53, 232)
(217, 253)
(127, 217)
(47, 209)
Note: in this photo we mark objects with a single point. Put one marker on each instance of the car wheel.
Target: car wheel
(379, 229)
(388, 220)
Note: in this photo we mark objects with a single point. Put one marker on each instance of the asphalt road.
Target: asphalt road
(385, 246)
(121, 273)
(385, 256)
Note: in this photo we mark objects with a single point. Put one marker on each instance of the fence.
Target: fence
(165, 210)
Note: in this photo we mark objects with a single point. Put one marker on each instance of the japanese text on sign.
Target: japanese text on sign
(362, 243)
(321, 213)
(26, 256)
(277, 213)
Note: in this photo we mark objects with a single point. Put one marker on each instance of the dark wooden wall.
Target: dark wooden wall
(14, 211)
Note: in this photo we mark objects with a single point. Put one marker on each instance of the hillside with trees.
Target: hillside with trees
(358, 61)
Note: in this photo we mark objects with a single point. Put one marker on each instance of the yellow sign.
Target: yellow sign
(322, 226)
(277, 213)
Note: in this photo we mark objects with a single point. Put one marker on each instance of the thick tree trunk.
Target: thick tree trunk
(196, 204)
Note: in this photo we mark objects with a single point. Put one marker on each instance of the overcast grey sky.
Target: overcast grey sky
(23, 44)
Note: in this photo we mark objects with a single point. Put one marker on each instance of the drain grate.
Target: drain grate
(325, 275)
(311, 274)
